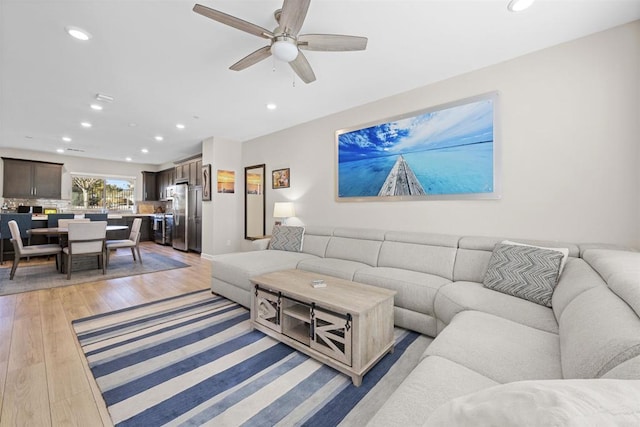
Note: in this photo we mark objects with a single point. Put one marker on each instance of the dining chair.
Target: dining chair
(21, 251)
(52, 222)
(85, 239)
(132, 242)
(64, 222)
(24, 223)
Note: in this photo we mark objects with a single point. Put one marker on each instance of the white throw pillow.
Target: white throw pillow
(564, 251)
(579, 403)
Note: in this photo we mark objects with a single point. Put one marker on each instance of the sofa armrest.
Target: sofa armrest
(260, 244)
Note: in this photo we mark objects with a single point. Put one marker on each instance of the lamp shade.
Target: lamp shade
(283, 210)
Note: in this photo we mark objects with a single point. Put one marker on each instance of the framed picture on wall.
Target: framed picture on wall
(226, 181)
(280, 178)
(450, 151)
(206, 182)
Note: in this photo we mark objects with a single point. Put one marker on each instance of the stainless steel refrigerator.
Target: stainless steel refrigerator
(180, 217)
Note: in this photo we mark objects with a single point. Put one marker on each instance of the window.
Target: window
(96, 192)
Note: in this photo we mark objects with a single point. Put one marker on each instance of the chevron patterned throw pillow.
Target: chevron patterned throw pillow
(285, 238)
(524, 271)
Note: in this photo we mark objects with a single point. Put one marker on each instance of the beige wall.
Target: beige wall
(569, 123)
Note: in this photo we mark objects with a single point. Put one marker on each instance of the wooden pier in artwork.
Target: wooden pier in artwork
(401, 181)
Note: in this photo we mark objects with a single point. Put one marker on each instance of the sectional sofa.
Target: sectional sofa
(496, 359)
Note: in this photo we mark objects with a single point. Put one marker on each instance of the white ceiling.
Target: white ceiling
(165, 64)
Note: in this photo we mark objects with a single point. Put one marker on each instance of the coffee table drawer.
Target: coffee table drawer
(332, 335)
(267, 310)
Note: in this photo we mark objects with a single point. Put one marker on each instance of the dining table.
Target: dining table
(64, 231)
(61, 231)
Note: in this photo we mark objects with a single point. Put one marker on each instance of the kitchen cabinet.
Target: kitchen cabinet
(149, 186)
(182, 172)
(195, 173)
(31, 179)
(165, 179)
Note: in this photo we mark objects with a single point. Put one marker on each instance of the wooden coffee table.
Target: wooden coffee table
(345, 325)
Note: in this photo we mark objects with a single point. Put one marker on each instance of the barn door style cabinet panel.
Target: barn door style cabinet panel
(29, 179)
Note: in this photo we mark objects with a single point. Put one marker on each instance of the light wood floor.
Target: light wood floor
(44, 378)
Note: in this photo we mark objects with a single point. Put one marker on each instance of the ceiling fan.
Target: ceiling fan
(285, 41)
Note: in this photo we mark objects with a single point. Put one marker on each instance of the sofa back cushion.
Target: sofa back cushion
(422, 252)
(598, 331)
(621, 271)
(360, 245)
(316, 240)
(474, 253)
(576, 278)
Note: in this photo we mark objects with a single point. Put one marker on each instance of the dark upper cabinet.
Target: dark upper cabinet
(149, 186)
(165, 179)
(195, 173)
(189, 172)
(31, 180)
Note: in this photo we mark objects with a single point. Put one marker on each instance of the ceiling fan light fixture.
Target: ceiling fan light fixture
(519, 5)
(284, 49)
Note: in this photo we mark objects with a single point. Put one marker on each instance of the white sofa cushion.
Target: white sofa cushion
(344, 269)
(431, 384)
(236, 268)
(456, 297)
(545, 403)
(598, 331)
(416, 291)
(498, 348)
(621, 270)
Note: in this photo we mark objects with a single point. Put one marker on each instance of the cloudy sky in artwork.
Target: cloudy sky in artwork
(455, 126)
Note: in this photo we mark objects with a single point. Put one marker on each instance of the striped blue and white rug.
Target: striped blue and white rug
(193, 360)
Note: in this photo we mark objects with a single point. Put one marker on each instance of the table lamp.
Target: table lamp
(283, 210)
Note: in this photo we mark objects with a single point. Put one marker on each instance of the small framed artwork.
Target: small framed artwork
(226, 181)
(206, 182)
(280, 178)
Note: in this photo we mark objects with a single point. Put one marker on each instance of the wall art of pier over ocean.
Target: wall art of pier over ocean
(446, 152)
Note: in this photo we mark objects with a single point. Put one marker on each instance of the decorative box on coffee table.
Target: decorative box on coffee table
(345, 325)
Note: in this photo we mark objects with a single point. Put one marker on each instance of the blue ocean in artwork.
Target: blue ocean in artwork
(457, 170)
(449, 151)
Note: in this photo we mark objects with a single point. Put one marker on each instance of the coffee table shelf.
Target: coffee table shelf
(346, 325)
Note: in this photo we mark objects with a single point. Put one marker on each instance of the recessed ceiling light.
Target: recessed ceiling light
(128, 159)
(180, 126)
(519, 5)
(144, 150)
(104, 98)
(158, 138)
(78, 33)
(96, 107)
(132, 125)
(66, 139)
(60, 150)
(271, 106)
(85, 124)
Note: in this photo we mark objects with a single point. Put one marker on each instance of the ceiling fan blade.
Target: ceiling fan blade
(331, 42)
(293, 14)
(252, 58)
(232, 21)
(302, 68)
